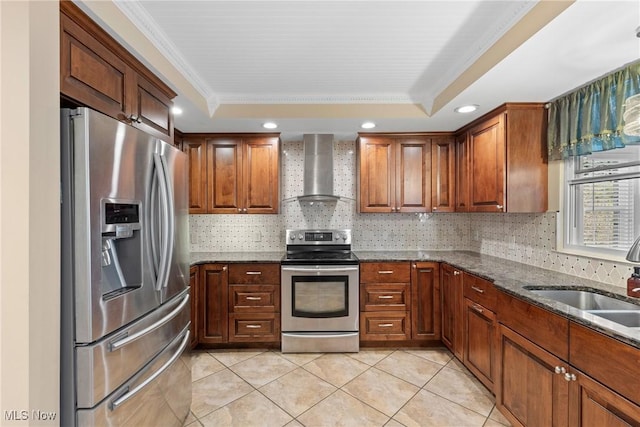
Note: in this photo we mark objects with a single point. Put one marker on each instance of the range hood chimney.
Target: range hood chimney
(318, 168)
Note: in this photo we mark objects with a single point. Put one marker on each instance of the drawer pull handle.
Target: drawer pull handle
(385, 296)
(477, 308)
(477, 289)
(385, 271)
(253, 273)
(254, 298)
(385, 325)
(254, 326)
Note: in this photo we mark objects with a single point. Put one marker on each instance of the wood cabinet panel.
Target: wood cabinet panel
(224, 175)
(196, 149)
(260, 175)
(213, 303)
(443, 169)
(90, 72)
(254, 327)
(462, 172)
(394, 173)
(413, 175)
(591, 352)
(385, 272)
(425, 301)
(530, 392)
(385, 326)
(385, 297)
(254, 298)
(540, 326)
(594, 405)
(452, 309)
(480, 342)
(487, 153)
(98, 72)
(254, 273)
(501, 161)
(480, 291)
(377, 175)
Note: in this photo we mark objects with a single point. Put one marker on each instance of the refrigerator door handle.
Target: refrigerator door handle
(129, 394)
(116, 345)
(170, 218)
(165, 238)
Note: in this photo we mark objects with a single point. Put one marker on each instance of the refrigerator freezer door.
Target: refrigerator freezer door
(159, 395)
(105, 365)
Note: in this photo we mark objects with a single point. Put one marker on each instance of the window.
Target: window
(602, 201)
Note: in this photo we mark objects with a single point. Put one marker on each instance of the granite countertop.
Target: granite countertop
(513, 278)
(244, 257)
(509, 276)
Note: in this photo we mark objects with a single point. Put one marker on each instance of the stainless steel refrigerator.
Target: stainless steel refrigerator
(125, 289)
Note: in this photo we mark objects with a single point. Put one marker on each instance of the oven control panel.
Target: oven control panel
(318, 237)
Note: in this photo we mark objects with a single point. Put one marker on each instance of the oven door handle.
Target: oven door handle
(320, 270)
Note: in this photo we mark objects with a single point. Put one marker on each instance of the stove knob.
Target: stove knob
(292, 237)
(300, 236)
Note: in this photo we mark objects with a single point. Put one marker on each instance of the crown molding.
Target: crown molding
(315, 99)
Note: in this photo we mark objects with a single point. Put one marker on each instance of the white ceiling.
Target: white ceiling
(326, 66)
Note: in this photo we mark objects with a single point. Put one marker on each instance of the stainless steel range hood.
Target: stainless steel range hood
(318, 169)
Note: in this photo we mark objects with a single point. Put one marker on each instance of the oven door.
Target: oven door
(320, 298)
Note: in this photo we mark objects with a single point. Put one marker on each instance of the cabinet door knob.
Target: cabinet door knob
(560, 370)
(570, 377)
(456, 273)
(499, 207)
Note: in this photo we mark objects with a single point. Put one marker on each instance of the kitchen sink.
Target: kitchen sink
(585, 300)
(630, 319)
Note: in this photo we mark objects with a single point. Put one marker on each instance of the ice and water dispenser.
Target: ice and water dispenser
(121, 247)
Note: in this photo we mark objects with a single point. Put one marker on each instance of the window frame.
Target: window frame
(569, 220)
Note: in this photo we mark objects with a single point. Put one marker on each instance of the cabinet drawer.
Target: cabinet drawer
(254, 273)
(385, 325)
(258, 327)
(480, 290)
(548, 330)
(594, 354)
(385, 296)
(385, 272)
(254, 298)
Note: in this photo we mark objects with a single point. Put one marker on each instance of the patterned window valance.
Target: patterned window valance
(590, 119)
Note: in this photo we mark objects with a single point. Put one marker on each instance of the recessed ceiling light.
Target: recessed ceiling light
(368, 125)
(466, 108)
(176, 110)
(269, 125)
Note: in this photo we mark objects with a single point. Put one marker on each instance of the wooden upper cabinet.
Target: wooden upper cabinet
(233, 173)
(394, 173)
(96, 71)
(443, 166)
(196, 149)
(501, 162)
(462, 172)
(487, 154)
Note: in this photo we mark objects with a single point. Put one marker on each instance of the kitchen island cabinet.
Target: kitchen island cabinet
(394, 173)
(501, 162)
(97, 72)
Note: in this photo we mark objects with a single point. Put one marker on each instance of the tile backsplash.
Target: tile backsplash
(526, 238)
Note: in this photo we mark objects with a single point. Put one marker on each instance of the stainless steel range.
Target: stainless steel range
(320, 295)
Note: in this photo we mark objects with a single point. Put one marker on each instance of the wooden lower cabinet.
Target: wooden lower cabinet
(593, 405)
(530, 391)
(451, 302)
(480, 342)
(213, 304)
(385, 326)
(425, 301)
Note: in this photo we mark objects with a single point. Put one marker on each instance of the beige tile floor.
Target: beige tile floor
(410, 387)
